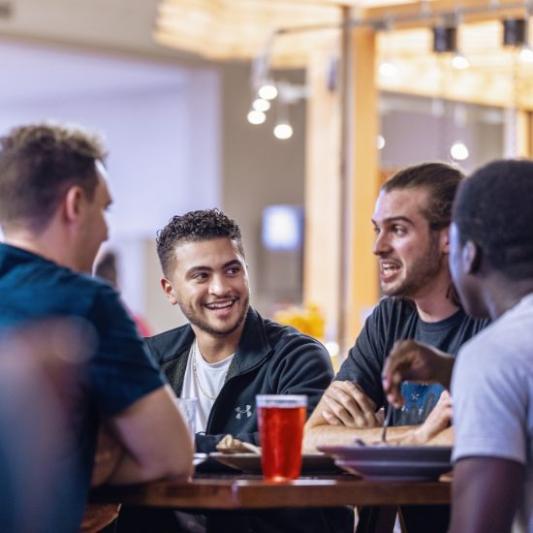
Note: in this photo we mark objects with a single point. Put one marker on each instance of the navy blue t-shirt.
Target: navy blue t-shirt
(396, 319)
(118, 371)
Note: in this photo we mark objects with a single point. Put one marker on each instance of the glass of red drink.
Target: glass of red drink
(281, 427)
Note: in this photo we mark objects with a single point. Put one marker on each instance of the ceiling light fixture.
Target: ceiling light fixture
(526, 54)
(256, 117)
(283, 131)
(514, 32)
(459, 151)
(459, 61)
(268, 91)
(445, 41)
(387, 67)
(515, 35)
(260, 104)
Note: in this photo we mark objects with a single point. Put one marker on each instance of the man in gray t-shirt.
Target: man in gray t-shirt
(491, 263)
(493, 401)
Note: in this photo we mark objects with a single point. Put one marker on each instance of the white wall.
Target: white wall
(161, 126)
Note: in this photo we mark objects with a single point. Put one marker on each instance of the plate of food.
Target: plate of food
(385, 462)
(250, 463)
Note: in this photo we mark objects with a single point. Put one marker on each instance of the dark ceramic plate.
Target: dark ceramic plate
(392, 462)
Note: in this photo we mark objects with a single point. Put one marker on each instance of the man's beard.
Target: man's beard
(422, 271)
(206, 327)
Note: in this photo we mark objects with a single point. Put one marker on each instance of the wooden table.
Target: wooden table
(252, 492)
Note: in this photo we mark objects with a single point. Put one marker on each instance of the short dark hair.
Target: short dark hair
(106, 267)
(38, 163)
(441, 181)
(194, 226)
(494, 209)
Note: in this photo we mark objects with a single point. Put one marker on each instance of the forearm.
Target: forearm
(418, 436)
(319, 433)
(444, 438)
(108, 455)
(486, 493)
(155, 438)
(324, 434)
(130, 471)
(401, 436)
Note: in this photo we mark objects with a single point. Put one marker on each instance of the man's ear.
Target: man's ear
(72, 203)
(444, 240)
(168, 289)
(471, 257)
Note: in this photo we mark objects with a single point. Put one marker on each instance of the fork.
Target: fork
(386, 422)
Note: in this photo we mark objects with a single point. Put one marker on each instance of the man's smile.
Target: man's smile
(388, 268)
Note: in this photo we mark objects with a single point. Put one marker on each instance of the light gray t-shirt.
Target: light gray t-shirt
(492, 390)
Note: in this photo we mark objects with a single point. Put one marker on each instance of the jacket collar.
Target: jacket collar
(254, 345)
(253, 348)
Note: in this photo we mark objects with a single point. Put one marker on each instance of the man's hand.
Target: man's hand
(345, 404)
(437, 421)
(108, 454)
(435, 430)
(410, 360)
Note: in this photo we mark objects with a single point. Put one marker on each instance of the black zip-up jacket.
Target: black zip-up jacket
(270, 359)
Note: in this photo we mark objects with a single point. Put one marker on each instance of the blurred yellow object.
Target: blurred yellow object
(308, 319)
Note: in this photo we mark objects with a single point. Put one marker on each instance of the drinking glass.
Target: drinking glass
(187, 407)
(281, 427)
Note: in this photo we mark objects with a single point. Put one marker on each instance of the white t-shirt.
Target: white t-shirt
(492, 391)
(203, 381)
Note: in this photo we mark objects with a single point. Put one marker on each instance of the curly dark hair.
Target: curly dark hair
(194, 226)
(38, 163)
(440, 179)
(493, 208)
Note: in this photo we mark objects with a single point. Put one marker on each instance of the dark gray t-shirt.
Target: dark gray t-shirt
(396, 319)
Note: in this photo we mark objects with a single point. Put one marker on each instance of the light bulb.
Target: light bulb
(256, 117)
(526, 54)
(388, 69)
(380, 142)
(268, 91)
(260, 104)
(459, 151)
(460, 62)
(283, 131)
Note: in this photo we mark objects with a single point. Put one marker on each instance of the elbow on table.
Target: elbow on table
(184, 468)
(176, 470)
(178, 465)
(173, 463)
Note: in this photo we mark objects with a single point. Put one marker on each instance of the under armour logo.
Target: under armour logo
(246, 410)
